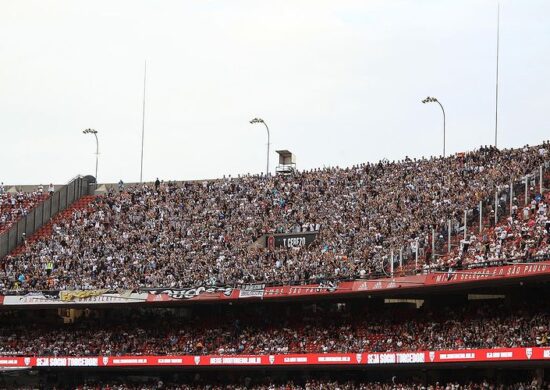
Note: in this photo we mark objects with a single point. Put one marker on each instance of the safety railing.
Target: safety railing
(488, 213)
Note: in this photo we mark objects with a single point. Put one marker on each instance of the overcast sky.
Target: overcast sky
(338, 82)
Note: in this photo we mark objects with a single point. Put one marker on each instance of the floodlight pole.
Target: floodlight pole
(496, 86)
(267, 155)
(94, 132)
(259, 120)
(143, 123)
(96, 155)
(434, 100)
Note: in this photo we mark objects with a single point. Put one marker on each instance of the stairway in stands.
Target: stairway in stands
(46, 230)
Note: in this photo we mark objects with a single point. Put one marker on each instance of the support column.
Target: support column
(511, 196)
(496, 207)
(526, 189)
(433, 244)
(449, 236)
(541, 180)
(416, 254)
(480, 217)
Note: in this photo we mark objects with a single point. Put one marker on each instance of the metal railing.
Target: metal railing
(326, 281)
(488, 213)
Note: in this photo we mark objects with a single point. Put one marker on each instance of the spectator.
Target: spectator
(207, 232)
(481, 326)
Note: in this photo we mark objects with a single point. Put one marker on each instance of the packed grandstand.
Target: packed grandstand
(13, 206)
(309, 385)
(424, 263)
(255, 330)
(203, 233)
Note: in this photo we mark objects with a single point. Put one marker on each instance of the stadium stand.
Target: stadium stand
(524, 234)
(179, 235)
(13, 206)
(317, 385)
(279, 330)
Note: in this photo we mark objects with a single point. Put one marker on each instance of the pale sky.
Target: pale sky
(338, 82)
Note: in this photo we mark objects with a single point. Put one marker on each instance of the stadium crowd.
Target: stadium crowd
(14, 206)
(479, 326)
(325, 385)
(204, 233)
(525, 234)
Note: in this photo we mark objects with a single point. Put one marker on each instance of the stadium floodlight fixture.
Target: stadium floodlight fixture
(94, 132)
(257, 120)
(260, 120)
(431, 99)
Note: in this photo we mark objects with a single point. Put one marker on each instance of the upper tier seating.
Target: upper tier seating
(15, 206)
(177, 235)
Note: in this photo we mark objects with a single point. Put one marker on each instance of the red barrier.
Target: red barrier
(359, 286)
(260, 291)
(312, 359)
(491, 273)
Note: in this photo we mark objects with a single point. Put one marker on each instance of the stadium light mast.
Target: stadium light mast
(143, 123)
(94, 132)
(259, 120)
(434, 100)
(496, 86)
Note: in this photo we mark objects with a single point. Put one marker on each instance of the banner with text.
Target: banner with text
(313, 359)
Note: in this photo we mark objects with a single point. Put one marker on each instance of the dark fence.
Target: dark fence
(44, 211)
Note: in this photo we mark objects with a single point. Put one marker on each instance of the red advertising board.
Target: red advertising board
(488, 273)
(311, 359)
(260, 291)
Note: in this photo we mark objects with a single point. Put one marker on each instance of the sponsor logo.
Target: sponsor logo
(373, 358)
(417, 357)
(363, 286)
(82, 362)
(128, 361)
(70, 298)
(189, 293)
(500, 355)
(27, 361)
(455, 356)
(105, 360)
(396, 358)
(271, 359)
(333, 359)
(170, 361)
(295, 359)
(529, 352)
(358, 357)
(236, 360)
(251, 291)
(432, 356)
(197, 360)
